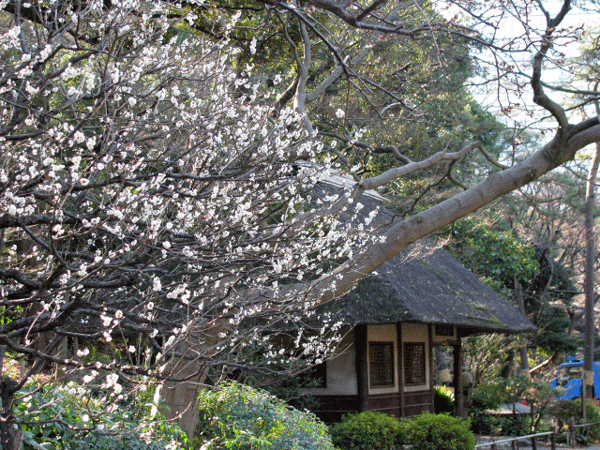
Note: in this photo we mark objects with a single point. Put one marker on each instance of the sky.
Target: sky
(525, 112)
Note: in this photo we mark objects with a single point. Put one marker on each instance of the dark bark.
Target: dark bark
(11, 433)
(590, 265)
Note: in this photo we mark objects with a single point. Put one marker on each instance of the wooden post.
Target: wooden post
(430, 369)
(533, 443)
(572, 432)
(458, 386)
(553, 441)
(400, 368)
(362, 366)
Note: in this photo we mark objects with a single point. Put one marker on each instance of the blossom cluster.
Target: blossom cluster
(150, 195)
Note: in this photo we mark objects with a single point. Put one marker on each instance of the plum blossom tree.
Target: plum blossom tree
(160, 202)
(145, 189)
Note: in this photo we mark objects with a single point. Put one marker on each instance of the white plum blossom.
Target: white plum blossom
(110, 381)
(155, 194)
(79, 137)
(106, 320)
(89, 377)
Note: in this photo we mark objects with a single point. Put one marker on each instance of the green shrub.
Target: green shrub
(238, 417)
(514, 425)
(71, 417)
(368, 431)
(378, 431)
(489, 397)
(443, 400)
(486, 397)
(563, 410)
(438, 432)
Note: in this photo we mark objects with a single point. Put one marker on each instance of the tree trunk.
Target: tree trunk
(523, 349)
(180, 399)
(590, 265)
(10, 435)
(179, 396)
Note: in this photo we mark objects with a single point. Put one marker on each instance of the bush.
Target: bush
(438, 432)
(368, 431)
(489, 397)
(238, 417)
(71, 417)
(563, 410)
(515, 425)
(484, 398)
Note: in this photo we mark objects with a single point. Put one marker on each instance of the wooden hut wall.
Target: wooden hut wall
(407, 393)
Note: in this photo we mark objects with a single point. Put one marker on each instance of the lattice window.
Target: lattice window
(381, 364)
(414, 363)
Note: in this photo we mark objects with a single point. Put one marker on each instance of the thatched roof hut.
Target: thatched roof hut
(395, 317)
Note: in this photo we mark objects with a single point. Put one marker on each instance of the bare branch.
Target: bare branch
(539, 95)
(412, 167)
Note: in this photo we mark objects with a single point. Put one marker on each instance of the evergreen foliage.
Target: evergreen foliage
(438, 432)
(563, 410)
(66, 416)
(443, 400)
(238, 417)
(368, 430)
(375, 430)
(502, 259)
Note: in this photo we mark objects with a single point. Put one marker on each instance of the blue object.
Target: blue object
(568, 378)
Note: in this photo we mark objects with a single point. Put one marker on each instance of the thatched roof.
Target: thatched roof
(428, 285)
(423, 284)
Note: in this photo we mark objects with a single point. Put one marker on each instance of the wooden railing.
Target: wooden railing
(493, 445)
(514, 441)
